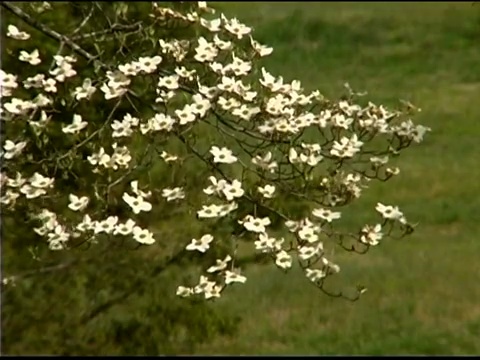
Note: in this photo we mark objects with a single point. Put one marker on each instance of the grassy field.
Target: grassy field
(424, 293)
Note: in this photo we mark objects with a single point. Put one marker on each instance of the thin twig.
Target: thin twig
(84, 22)
(115, 28)
(42, 270)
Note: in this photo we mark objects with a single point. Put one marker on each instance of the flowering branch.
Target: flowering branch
(47, 31)
(280, 162)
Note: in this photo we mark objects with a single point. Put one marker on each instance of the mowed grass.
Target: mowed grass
(423, 291)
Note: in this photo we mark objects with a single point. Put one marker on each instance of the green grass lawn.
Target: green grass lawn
(423, 292)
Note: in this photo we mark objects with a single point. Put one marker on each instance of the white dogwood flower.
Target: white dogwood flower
(77, 203)
(202, 244)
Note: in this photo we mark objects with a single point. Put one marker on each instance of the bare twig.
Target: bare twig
(84, 22)
(115, 28)
(43, 270)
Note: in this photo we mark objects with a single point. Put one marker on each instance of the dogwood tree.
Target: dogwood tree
(92, 118)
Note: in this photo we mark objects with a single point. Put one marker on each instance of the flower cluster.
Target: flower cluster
(259, 153)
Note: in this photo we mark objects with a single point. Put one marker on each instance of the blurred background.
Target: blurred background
(423, 291)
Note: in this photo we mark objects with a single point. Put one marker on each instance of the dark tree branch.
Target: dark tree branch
(135, 287)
